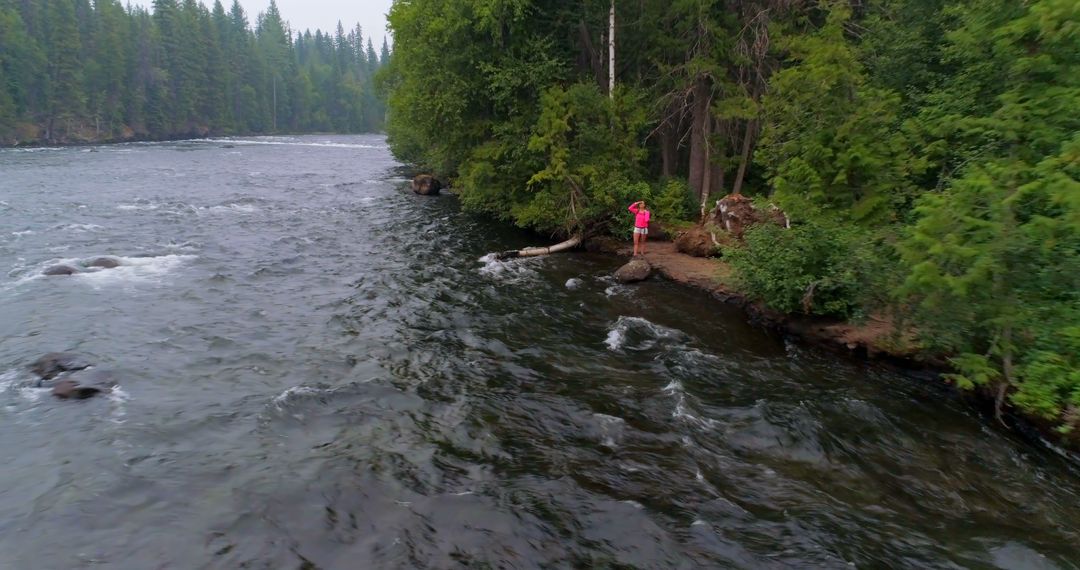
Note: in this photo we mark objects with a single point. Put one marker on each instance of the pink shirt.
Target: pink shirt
(641, 220)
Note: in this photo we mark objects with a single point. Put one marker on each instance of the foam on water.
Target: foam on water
(229, 208)
(510, 270)
(289, 142)
(119, 399)
(36, 149)
(140, 207)
(20, 383)
(682, 411)
(673, 387)
(133, 269)
(625, 327)
(294, 392)
(8, 379)
(79, 228)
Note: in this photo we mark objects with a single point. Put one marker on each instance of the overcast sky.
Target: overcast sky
(324, 14)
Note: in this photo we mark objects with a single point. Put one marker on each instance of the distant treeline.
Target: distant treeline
(82, 70)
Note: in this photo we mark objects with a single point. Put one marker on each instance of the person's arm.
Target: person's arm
(633, 207)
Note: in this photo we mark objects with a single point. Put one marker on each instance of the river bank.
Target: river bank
(877, 338)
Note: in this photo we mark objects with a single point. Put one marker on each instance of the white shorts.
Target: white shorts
(642, 231)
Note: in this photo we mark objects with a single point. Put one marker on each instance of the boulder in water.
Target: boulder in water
(60, 270)
(636, 270)
(84, 384)
(72, 390)
(104, 262)
(54, 363)
(426, 185)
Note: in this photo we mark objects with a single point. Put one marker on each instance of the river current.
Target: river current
(320, 369)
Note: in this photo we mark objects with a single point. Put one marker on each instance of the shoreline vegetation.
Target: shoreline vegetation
(896, 157)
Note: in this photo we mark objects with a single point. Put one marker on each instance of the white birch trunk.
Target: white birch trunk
(611, 52)
(535, 251)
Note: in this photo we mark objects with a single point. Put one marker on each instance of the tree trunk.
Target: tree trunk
(744, 158)
(1006, 373)
(611, 52)
(699, 138)
(717, 186)
(669, 150)
(590, 53)
(707, 179)
(535, 251)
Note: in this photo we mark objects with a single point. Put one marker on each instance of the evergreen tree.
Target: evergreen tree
(64, 97)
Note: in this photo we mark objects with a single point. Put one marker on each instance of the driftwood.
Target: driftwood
(535, 251)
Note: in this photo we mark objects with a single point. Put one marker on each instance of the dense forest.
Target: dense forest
(926, 152)
(76, 70)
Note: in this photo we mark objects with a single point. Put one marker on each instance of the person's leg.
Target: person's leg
(637, 240)
(644, 238)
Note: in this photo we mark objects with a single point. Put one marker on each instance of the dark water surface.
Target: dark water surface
(319, 371)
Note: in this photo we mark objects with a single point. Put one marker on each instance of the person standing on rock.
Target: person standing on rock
(641, 226)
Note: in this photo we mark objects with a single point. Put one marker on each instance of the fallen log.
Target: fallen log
(535, 251)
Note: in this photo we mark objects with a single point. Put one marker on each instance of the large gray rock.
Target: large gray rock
(84, 384)
(636, 270)
(60, 270)
(53, 363)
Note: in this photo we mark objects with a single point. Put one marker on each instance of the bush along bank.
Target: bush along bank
(925, 154)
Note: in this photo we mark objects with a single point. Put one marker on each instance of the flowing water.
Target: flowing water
(321, 370)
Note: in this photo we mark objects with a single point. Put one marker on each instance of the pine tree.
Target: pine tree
(995, 259)
(64, 93)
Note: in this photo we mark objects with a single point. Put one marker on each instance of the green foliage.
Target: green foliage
(994, 260)
(589, 147)
(995, 268)
(810, 268)
(672, 202)
(832, 143)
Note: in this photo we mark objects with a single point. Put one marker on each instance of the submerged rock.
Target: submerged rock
(104, 262)
(60, 270)
(70, 389)
(426, 185)
(84, 384)
(53, 363)
(636, 270)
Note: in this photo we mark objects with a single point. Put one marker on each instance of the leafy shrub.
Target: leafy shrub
(811, 268)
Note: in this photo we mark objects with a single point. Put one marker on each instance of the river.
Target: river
(320, 369)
